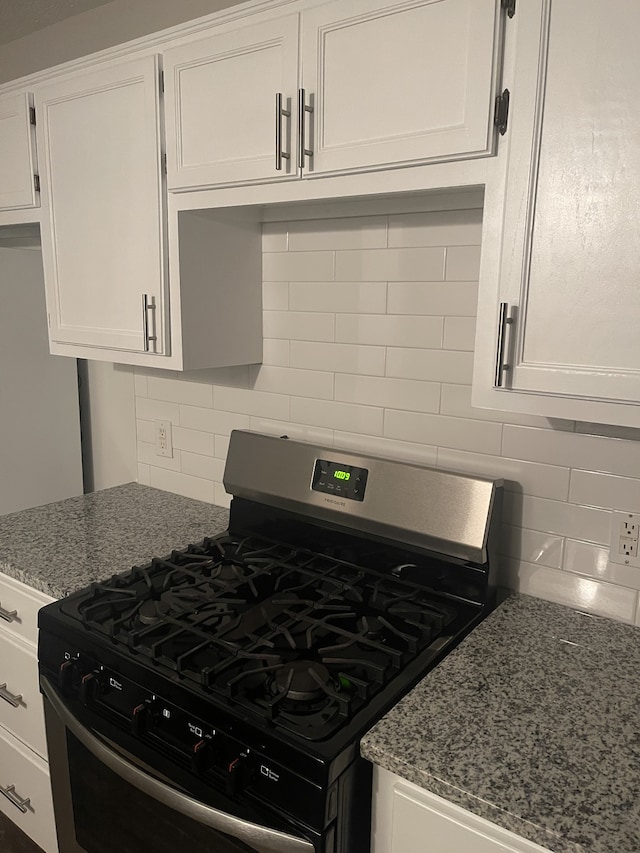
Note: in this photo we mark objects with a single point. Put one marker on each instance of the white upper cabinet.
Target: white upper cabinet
(103, 223)
(221, 105)
(399, 83)
(375, 84)
(562, 234)
(17, 154)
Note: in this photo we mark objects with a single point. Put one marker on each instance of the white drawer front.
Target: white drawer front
(19, 605)
(25, 776)
(23, 716)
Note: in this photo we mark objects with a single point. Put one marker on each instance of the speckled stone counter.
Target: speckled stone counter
(533, 722)
(60, 547)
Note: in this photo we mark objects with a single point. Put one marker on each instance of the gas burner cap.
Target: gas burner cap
(303, 680)
(152, 611)
(229, 571)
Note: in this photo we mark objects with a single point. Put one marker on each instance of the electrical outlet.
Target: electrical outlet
(624, 539)
(164, 440)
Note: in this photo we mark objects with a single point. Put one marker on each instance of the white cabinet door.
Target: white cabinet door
(221, 105)
(17, 154)
(409, 819)
(103, 223)
(569, 266)
(401, 83)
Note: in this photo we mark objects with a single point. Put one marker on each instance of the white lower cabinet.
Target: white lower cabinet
(409, 819)
(560, 265)
(25, 790)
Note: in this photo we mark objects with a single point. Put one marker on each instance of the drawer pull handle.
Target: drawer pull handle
(10, 793)
(280, 111)
(10, 697)
(303, 108)
(148, 304)
(8, 615)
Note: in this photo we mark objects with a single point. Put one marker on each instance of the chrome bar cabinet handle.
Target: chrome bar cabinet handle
(8, 615)
(11, 698)
(280, 111)
(148, 304)
(303, 108)
(10, 793)
(501, 367)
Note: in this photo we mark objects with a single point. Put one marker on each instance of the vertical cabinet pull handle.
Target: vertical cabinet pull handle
(8, 615)
(10, 697)
(501, 366)
(303, 108)
(280, 111)
(10, 793)
(148, 304)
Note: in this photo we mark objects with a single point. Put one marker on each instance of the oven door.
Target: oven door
(105, 801)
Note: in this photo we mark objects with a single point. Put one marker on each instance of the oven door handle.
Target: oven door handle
(265, 840)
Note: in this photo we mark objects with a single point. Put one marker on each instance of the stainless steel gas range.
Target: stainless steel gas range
(214, 699)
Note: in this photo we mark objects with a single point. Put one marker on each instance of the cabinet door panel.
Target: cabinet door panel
(391, 84)
(17, 167)
(221, 108)
(577, 287)
(103, 239)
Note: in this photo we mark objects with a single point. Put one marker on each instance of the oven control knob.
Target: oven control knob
(67, 675)
(239, 775)
(141, 719)
(201, 756)
(89, 688)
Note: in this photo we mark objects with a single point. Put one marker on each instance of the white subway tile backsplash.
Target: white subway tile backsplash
(157, 410)
(193, 441)
(543, 549)
(407, 451)
(478, 436)
(577, 522)
(345, 296)
(369, 321)
(182, 484)
(366, 232)
(275, 352)
(275, 295)
(248, 402)
(436, 228)
(177, 391)
(290, 380)
(297, 266)
(462, 263)
(390, 393)
(390, 264)
(583, 593)
(583, 558)
(202, 466)
(341, 358)
(333, 415)
(592, 453)
(298, 325)
(433, 365)
(530, 478)
(212, 420)
(459, 298)
(606, 490)
(389, 330)
(459, 333)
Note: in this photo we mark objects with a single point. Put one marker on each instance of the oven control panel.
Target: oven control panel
(336, 478)
(211, 751)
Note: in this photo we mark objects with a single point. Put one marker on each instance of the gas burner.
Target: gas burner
(303, 680)
(229, 572)
(151, 612)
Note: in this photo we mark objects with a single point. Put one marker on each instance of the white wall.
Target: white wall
(369, 333)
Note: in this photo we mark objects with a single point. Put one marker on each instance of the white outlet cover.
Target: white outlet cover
(620, 532)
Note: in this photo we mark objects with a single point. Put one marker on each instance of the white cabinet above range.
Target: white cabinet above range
(18, 172)
(375, 84)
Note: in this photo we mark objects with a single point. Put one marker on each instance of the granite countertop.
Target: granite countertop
(533, 722)
(60, 547)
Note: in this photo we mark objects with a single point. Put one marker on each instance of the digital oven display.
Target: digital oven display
(336, 478)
